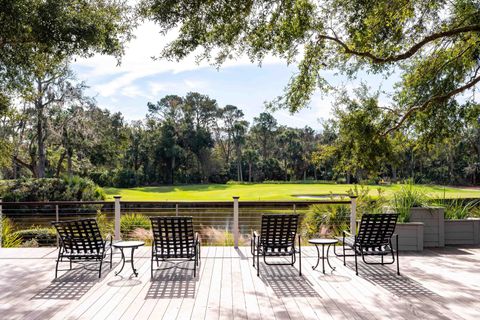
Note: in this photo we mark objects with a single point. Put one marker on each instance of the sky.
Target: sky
(139, 79)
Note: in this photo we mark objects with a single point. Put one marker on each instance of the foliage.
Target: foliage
(360, 149)
(407, 198)
(431, 45)
(458, 208)
(325, 220)
(216, 237)
(131, 221)
(105, 225)
(67, 189)
(38, 235)
(142, 234)
(368, 202)
(10, 238)
(59, 28)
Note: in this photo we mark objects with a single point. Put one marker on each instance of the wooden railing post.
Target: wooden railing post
(57, 219)
(1, 222)
(117, 217)
(353, 215)
(235, 230)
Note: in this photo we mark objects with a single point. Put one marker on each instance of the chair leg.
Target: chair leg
(398, 261)
(111, 257)
(252, 249)
(194, 270)
(299, 256)
(356, 262)
(258, 265)
(196, 255)
(344, 255)
(70, 264)
(198, 252)
(151, 267)
(56, 268)
(100, 269)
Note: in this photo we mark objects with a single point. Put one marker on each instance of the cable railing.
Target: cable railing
(218, 222)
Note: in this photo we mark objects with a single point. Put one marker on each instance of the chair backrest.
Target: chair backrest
(80, 236)
(279, 230)
(173, 235)
(376, 229)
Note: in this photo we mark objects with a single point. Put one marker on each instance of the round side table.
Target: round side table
(323, 243)
(128, 244)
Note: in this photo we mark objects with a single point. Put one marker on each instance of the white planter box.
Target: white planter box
(464, 231)
(434, 224)
(410, 236)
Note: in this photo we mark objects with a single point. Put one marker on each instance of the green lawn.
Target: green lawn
(217, 192)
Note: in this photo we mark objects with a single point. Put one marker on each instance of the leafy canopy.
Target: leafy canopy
(59, 29)
(433, 44)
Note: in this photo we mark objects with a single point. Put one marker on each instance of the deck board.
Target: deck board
(435, 284)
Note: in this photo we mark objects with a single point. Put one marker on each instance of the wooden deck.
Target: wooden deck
(436, 284)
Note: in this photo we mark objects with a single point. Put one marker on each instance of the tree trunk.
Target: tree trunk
(40, 132)
(59, 164)
(249, 172)
(172, 169)
(69, 162)
(40, 147)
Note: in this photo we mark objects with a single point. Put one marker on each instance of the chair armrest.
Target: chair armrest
(197, 237)
(255, 238)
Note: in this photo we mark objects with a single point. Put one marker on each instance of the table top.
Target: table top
(128, 244)
(323, 241)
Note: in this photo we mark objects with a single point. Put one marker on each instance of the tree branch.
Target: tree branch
(407, 54)
(437, 98)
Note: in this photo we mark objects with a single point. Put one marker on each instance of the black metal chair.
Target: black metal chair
(374, 238)
(80, 240)
(277, 239)
(174, 239)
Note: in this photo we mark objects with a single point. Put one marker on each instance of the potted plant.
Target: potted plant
(462, 225)
(412, 206)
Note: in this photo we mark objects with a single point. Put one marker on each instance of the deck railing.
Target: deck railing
(236, 217)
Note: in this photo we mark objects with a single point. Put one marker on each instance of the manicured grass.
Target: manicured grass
(217, 192)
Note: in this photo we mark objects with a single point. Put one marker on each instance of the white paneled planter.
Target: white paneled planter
(433, 224)
(463, 231)
(410, 236)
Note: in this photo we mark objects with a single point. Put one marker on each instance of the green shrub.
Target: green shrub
(105, 225)
(67, 189)
(458, 208)
(407, 198)
(41, 235)
(125, 178)
(102, 178)
(325, 220)
(10, 238)
(131, 221)
(367, 203)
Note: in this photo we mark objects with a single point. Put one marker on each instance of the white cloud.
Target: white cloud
(137, 63)
(132, 92)
(195, 84)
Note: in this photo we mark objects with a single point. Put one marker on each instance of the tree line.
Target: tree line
(57, 130)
